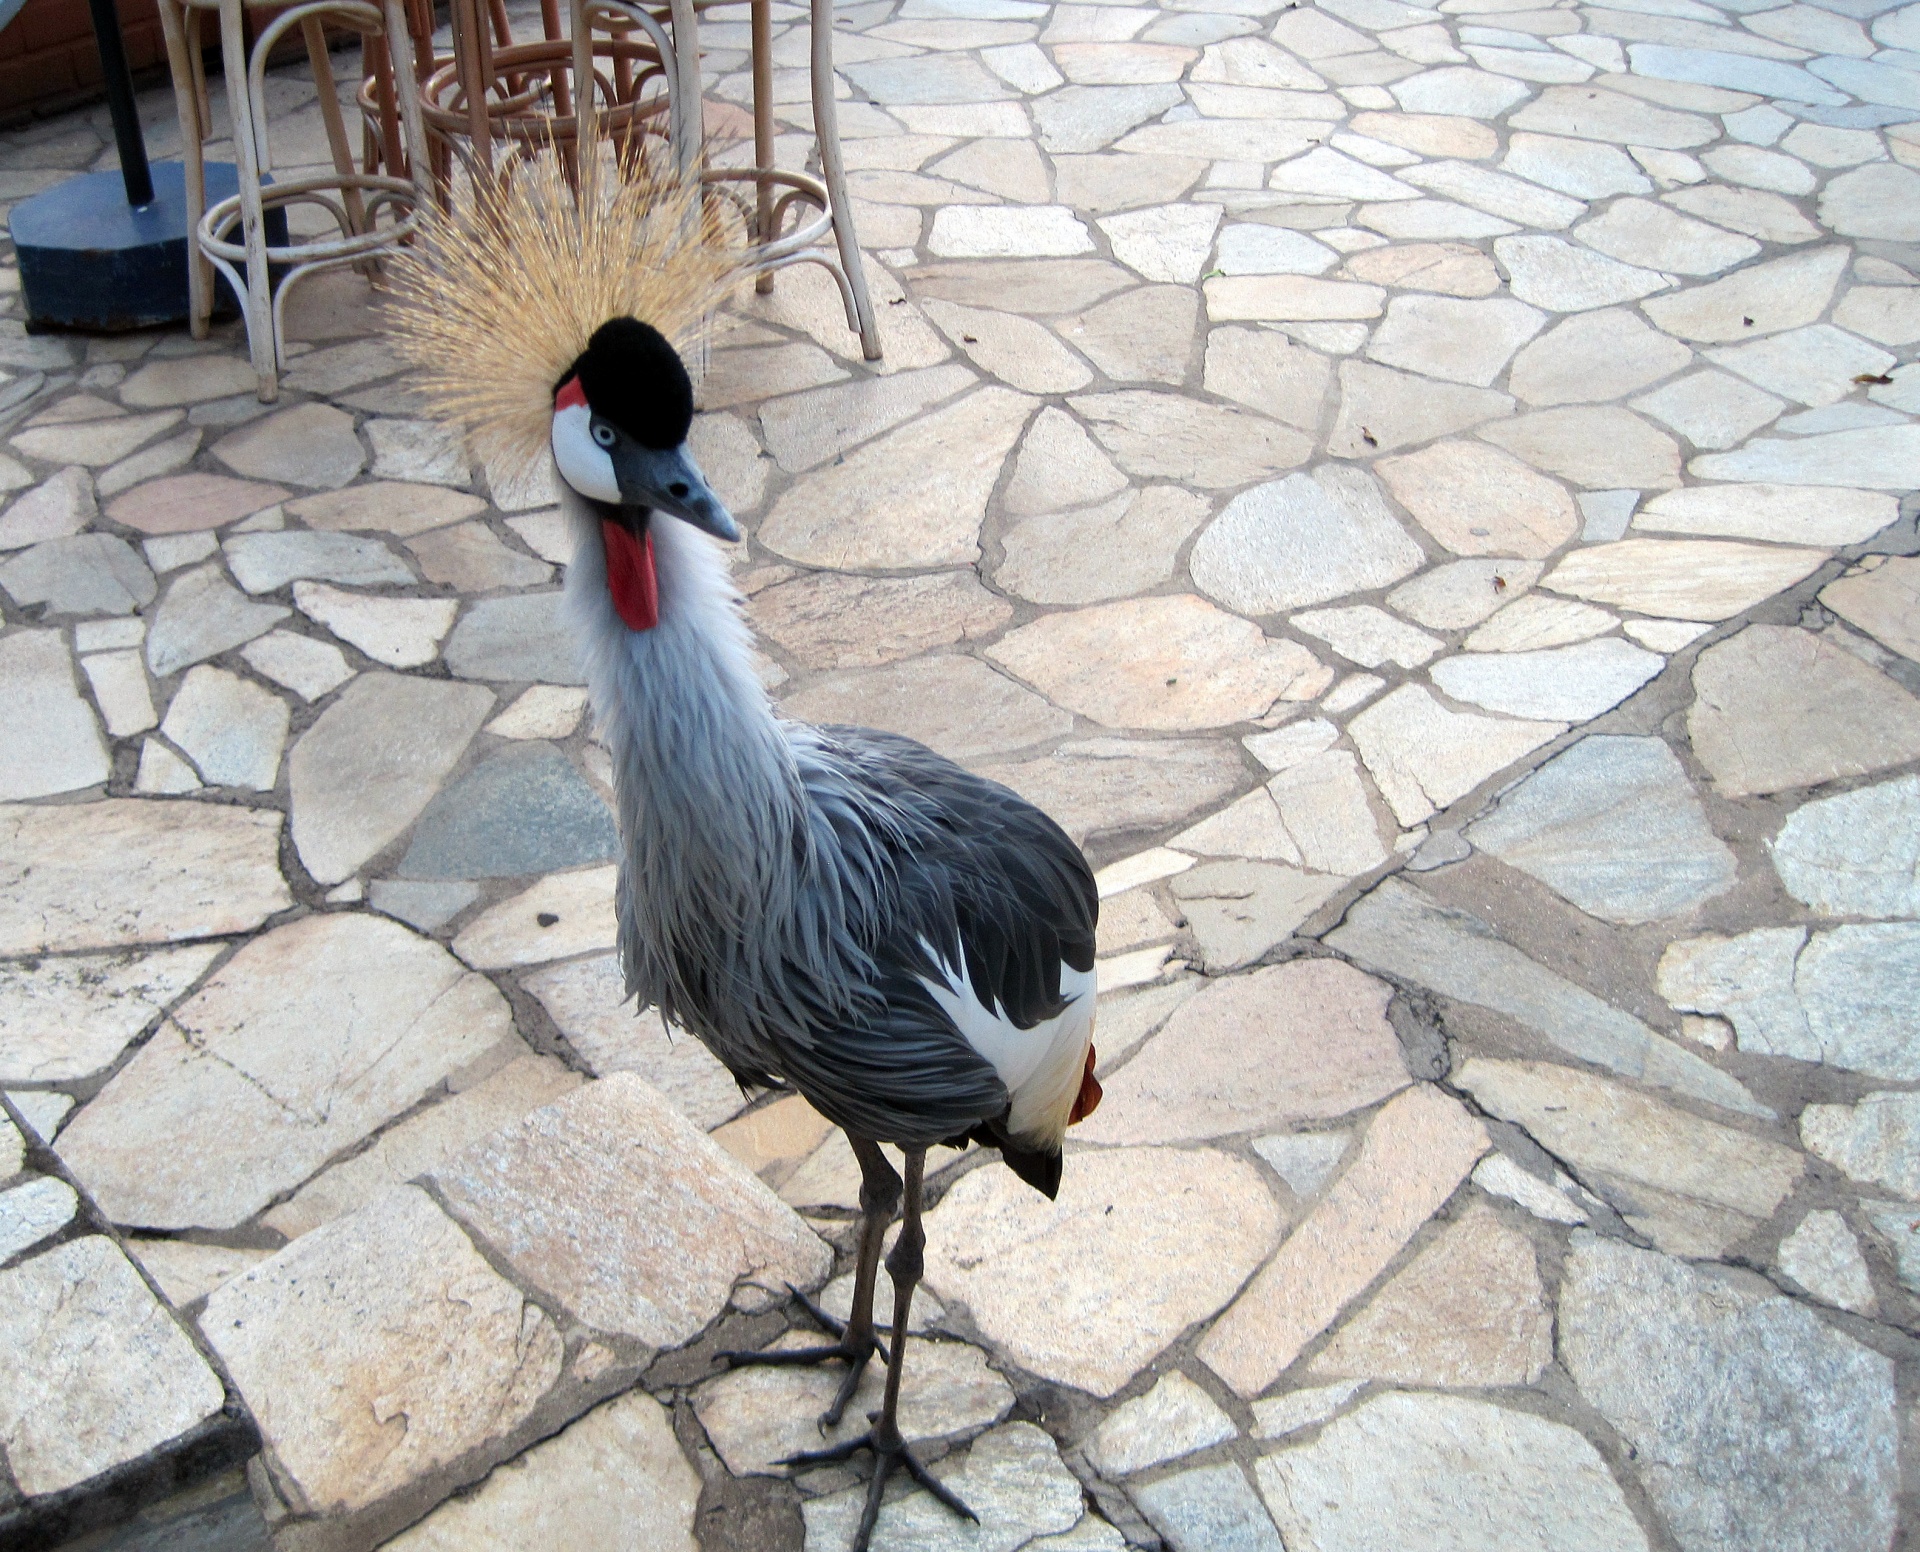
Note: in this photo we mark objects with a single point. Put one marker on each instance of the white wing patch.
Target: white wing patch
(1041, 1066)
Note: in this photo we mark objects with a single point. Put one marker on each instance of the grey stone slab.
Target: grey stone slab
(1089, 118)
(1754, 1423)
(91, 573)
(1614, 826)
(33, 1210)
(1859, 986)
(419, 903)
(1857, 854)
(264, 561)
(515, 639)
(1403, 931)
(203, 614)
(927, 78)
(1737, 72)
(1900, 1227)
(522, 810)
(1210, 1509)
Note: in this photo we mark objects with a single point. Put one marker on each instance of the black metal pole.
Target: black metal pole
(126, 120)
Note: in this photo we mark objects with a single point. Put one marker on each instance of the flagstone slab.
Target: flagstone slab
(1402, 931)
(364, 771)
(1477, 500)
(1238, 910)
(312, 445)
(33, 1210)
(1875, 1141)
(1884, 602)
(230, 727)
(1308, 1040)
(387, 1315)
(957, 706)
(1692, 1186)
(1175, 1418)
(1875, 200)
(1749, 1416)
(1468, 1310)
(69, 1017)
(1855, 854)
(1614, 826)
(588, 1002)
(1382, 410)
(387, 506)
(1438, 1471)
(61, 505)
(1778, 707)
(1780, 294)
(124, 871)
(305, 1042)
(95, 442)
(614, 1480)
(1164, 436)
(1423, 756)
(1824, 1258)
(523, 809)
(1101, 787)
(1208, 1506)
(1536, 622)
(627, 1215)
(562, 915)
(1416, 1151)
(1552, 273)
(1884, 458)
(1780, 514)
(101, 1373)
(1120, 547)
(1688, 579)
(1570, 684)
(54, 744)
(881, 508)
(89, 573)
(1303, 540)
(1086, 1289)
(424, 1141)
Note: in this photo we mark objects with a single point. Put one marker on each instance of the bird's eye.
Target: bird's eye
(603, 435)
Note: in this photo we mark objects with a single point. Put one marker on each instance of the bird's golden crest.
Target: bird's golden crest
(508, 281)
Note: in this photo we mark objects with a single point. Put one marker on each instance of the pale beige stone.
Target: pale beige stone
(1534, 623)
(1687, 579)
(396, 632)
(1594, 356)
(386, 506)
(1109, 788)
(1086, 1289)
(1782, 294)
(423, 1141)
(1140, 336)
(187, 380)
(612, 1203)
(1118, 548)
(1327, 813)
(379, 1349)
(1416, 1151)
(1479, 501)
(829, 620)
(1424, 757)
(1464, 592)
(1175, 1418)
(98, 1373)
(1382, 410)
(1884, 602)
(1020, 352)
(1458, 341)
(307, 1040)
(1690, 1185)
(615, 1481)
(1780, 514)
(1468, 1310)
(374, 759)
(957, 706)
(1452, 269)
(69, 1017)
(1429, 134)
(1778, 707)
(1170, 663)
(1307, 1040)
(1597, 447)
(755, 1417)
(1059, 466)
(774, 1140)
(54, 743)
(95, 443)
(122, 871)
(1648, 234)
(1362, 634)
(1239, 910)
(563, 915)
(187, 1271)
(1277, 298)
(914, 498)
(1164, 436)
(541, 711)
(311, 445)
(469, 559)
(1268, 372)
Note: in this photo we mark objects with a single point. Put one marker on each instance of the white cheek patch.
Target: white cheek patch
(583, 462)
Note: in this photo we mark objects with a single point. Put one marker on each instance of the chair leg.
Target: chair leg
(330, 115)
(182, 33)
(762, 11)
(826, 129)
(257, 304)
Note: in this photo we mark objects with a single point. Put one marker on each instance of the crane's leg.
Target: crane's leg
(890, 1452)
(879, 1198)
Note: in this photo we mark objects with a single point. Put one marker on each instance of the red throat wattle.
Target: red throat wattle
(630, 575)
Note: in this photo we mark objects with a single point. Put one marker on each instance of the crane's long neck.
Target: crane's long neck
(710, 803)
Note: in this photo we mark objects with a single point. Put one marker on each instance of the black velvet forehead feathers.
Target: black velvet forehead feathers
(633, 378)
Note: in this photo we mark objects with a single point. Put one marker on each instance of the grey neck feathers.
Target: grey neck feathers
(711, 805)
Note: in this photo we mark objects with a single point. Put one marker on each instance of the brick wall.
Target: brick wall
(48, 59)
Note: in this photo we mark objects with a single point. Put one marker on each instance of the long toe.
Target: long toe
(885, 1462)
(849, 1383)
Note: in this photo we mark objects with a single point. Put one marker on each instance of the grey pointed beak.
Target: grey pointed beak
(668, 480)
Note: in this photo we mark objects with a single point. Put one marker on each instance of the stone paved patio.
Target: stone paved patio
(1418, 492)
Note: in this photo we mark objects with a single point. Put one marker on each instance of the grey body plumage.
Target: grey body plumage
(787, 892)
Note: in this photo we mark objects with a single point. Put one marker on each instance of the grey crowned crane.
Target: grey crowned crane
(831, 910)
